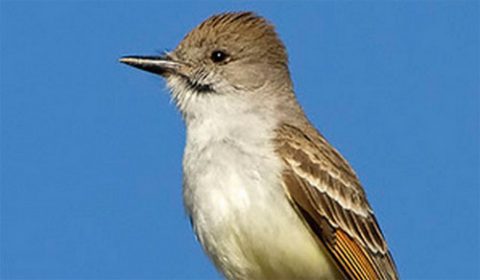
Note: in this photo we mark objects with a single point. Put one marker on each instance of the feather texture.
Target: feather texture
(328, 196)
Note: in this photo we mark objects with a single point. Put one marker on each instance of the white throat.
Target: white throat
(230, 116)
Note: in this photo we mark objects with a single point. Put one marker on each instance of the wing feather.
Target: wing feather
(327, 194)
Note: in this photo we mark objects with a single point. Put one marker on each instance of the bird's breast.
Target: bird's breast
(241, 215)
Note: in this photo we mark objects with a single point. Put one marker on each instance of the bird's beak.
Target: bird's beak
(160, 65)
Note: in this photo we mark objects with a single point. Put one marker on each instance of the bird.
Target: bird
(268, 197)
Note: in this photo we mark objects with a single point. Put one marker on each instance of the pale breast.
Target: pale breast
(242, 218)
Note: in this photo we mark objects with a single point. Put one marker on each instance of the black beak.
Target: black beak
(160, 65)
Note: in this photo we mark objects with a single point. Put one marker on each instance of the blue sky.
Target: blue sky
(91, 149)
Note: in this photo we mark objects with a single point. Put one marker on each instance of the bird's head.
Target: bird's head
(231, 55)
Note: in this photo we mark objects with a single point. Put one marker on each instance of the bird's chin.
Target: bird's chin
(199, 87)
(184, 83)
(184, 91)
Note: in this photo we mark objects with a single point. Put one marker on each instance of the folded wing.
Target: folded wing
(327, 195)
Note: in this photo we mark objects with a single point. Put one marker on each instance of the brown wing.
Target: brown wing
(327, 194)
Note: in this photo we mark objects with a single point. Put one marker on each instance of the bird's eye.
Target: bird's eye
(218, 56)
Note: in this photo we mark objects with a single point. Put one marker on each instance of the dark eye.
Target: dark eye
(218, 56)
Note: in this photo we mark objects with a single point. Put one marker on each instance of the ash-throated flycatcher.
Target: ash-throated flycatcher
(268, 197)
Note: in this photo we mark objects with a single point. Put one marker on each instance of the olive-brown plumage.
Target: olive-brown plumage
(269, 197)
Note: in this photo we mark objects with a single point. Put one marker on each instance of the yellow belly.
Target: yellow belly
(265, 243)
